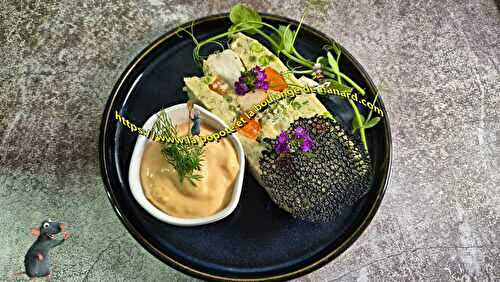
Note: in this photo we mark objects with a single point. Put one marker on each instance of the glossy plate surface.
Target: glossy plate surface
(258, 241)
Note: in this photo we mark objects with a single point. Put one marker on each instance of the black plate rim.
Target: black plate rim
(200, 274)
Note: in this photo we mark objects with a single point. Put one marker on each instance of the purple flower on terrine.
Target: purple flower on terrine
(241, 87)
(282, 145)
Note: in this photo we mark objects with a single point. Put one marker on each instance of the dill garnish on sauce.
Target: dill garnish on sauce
(185, 158)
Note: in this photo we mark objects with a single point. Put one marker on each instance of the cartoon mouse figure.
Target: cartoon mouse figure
(195, 117)
(37, 261)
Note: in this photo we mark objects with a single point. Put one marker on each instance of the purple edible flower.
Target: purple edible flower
(241, 87)
(265, 86)
(300, 132)
(300, 141)
(283, 137)
(260, 75)
(251, 80)
(307, 144)
(282, 146)
(262, 85)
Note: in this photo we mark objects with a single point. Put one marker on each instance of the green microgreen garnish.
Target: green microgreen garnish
(185, 158)
(362, 123)
(243, 16)
(284, 38)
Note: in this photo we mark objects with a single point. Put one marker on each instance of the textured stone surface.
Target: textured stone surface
(438, 221)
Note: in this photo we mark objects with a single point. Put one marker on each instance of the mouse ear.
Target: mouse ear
(35, 231)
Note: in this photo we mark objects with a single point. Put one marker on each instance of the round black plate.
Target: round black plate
(258, 241)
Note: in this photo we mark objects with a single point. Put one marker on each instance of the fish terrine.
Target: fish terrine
(215, 91)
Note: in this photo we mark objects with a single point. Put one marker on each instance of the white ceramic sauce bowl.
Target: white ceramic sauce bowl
(179, 114)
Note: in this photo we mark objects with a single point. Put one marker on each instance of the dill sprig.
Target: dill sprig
(185, 158)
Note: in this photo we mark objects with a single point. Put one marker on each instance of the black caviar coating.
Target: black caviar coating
(317, 188)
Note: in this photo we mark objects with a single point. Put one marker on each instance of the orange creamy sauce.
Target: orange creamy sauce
(161, 185)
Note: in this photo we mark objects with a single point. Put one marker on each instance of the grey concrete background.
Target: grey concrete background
(438, 221)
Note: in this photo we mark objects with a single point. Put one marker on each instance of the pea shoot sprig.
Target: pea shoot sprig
(282, 40)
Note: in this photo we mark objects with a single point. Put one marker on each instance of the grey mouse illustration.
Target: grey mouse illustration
(195, 117)
(36, 261)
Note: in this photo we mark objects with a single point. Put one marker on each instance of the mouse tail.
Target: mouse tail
(14, 275)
